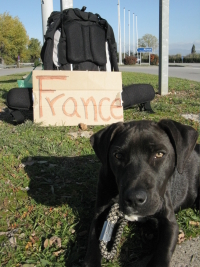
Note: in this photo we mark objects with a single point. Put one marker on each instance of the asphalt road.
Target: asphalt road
(183, 71)
(11, 71)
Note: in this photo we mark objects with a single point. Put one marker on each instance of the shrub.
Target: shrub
(130, 60)
(154, 59)
(191, 59)
(36, 62)
(175, 58)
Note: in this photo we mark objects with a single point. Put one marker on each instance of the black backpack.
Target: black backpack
(78, 40)
(82, 41)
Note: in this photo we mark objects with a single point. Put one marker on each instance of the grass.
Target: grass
(48, 182)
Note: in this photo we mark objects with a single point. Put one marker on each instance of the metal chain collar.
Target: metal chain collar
(113, 216)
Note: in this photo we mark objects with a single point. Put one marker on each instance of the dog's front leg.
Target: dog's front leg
(107, 194)
(168, 234)
(93, 256)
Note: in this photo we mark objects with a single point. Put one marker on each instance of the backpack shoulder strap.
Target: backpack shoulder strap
(110, 37)
(54, 22)
(112, 47)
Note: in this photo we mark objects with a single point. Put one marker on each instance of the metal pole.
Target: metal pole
(133, 37)
(119, 31)
(163, 46)
(65, 4)
(136, 34)
(129, 32)
(46, 8)
(124, 35)
(118, 23)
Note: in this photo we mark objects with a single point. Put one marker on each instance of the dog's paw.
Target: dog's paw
(90, 262)
(85, 264)
(157, 264)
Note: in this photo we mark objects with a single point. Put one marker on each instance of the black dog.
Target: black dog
(149, 169)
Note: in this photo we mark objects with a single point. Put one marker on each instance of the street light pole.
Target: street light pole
(124, 35)
(46, 8)
(119, 32)
(133, 37)
(136, 34)
(129, 32)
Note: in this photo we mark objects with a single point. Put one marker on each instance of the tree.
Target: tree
(13, 38)
(34, 49)
(193, 50)
(148, 40)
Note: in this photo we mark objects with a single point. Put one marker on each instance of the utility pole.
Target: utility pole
(65, 4)
(163, 46)
(46, 8)
(129, 33)
(124, 35)
(119, 34)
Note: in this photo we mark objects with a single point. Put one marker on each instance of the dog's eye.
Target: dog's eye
(159, 155)
(118, 155)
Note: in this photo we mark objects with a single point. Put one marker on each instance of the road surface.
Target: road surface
(10, 71)
(184, 71)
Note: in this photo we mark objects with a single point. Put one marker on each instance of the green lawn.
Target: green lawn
(48, 182)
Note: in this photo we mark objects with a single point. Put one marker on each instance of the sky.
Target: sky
(184, 19)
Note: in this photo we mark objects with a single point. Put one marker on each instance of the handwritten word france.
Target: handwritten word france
(98, 105)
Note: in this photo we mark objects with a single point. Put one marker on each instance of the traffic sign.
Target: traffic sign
(144, 49)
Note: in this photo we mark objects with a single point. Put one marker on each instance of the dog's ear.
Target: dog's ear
(100, 141)
(182, 137)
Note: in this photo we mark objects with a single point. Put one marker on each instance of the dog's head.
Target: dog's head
(142, 155)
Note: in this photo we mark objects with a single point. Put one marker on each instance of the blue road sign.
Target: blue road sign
(144, 50)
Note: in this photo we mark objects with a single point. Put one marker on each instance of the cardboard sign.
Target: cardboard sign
(67, 98)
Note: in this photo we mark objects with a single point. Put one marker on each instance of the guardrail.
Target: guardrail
(26, 64)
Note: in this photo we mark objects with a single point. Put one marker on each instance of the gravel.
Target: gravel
(187, 254)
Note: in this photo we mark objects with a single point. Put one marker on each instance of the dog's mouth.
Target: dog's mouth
(130, 214)
(136, 215)
(133, 218)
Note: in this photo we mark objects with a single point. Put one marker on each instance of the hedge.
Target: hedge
(174, 59)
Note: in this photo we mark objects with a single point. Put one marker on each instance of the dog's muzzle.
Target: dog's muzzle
(135, 198)
(133, 202)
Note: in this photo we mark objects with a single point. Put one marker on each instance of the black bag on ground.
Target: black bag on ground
(138, 94)
(19, 99)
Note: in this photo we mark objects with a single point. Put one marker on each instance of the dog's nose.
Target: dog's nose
(135, 197)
